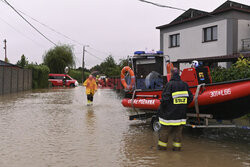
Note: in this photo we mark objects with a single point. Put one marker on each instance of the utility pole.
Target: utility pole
(5, 49)
(83, 63)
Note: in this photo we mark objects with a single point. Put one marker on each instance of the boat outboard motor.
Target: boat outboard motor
(154, 80)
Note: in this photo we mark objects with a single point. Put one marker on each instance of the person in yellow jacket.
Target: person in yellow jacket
(91, 88)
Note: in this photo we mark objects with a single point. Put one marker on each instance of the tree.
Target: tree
(23, 62)
(108, 67)
(123, 63)
(96, 68)
(58, 58)
(6, 60)
(85, 69)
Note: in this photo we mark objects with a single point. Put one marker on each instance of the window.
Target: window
(67, 78)
(210, 34)
(51, 77)
(58, 77)
(174, 40)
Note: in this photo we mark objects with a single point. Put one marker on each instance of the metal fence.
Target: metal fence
(13, 79)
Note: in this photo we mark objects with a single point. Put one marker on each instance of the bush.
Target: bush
(239, 70)
(39, 75)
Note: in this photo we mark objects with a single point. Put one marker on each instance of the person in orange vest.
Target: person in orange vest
(91, 88)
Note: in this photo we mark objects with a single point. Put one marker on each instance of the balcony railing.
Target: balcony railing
(245, 44)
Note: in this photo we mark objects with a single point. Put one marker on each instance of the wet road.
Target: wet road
(54, 128)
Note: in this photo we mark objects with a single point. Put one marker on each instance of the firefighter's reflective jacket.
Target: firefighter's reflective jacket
(175, 98)
(91, 86)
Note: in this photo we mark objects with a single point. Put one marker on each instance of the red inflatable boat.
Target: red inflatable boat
(225, 100)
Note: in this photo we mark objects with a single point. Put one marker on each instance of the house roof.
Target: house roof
(190, 13)
(231, 4)
(3, 63)
(194, 14)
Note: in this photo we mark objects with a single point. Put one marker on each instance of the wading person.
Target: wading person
(172, 114)
(91, 88)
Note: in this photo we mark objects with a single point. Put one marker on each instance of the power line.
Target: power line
(77, 59)
(52, 29)
(21, 33)
(105, 53)
(65, 36)
(48, 27)
(28, 22)
(94, 55)
(164, 6)
(175, 8)
(102, 52)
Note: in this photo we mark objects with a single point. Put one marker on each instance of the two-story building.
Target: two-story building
(218, 36)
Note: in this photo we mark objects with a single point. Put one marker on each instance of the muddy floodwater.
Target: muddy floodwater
(55, 128)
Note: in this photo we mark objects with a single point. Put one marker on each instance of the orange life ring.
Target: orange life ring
(132, 76)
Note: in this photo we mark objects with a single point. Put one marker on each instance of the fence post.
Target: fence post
(11, 75)
(23, 78)
(28, 77)
(3, 80)
(31, 77)
(17, 80)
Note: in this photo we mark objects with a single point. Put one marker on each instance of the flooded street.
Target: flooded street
(55, 128)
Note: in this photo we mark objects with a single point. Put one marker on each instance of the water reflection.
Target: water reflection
(140, 149)
(90, 119)
(56, 128)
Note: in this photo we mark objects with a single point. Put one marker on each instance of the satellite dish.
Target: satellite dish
(66, 70)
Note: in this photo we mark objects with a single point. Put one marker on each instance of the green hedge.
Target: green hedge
(239, 70)
(39, 75)
(77, 74)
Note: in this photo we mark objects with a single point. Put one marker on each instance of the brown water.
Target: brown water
(54, 128)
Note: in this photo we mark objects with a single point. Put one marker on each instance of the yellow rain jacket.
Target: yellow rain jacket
(91, 86)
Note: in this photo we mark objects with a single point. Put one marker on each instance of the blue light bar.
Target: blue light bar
(139, 52)
(159, 52)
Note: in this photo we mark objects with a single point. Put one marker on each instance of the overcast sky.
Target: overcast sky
(117, 27)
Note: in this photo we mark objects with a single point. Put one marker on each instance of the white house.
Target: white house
(218, 36)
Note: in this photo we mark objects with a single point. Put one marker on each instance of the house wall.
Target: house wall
(192, 45)
(232, 27)
(243, 32)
